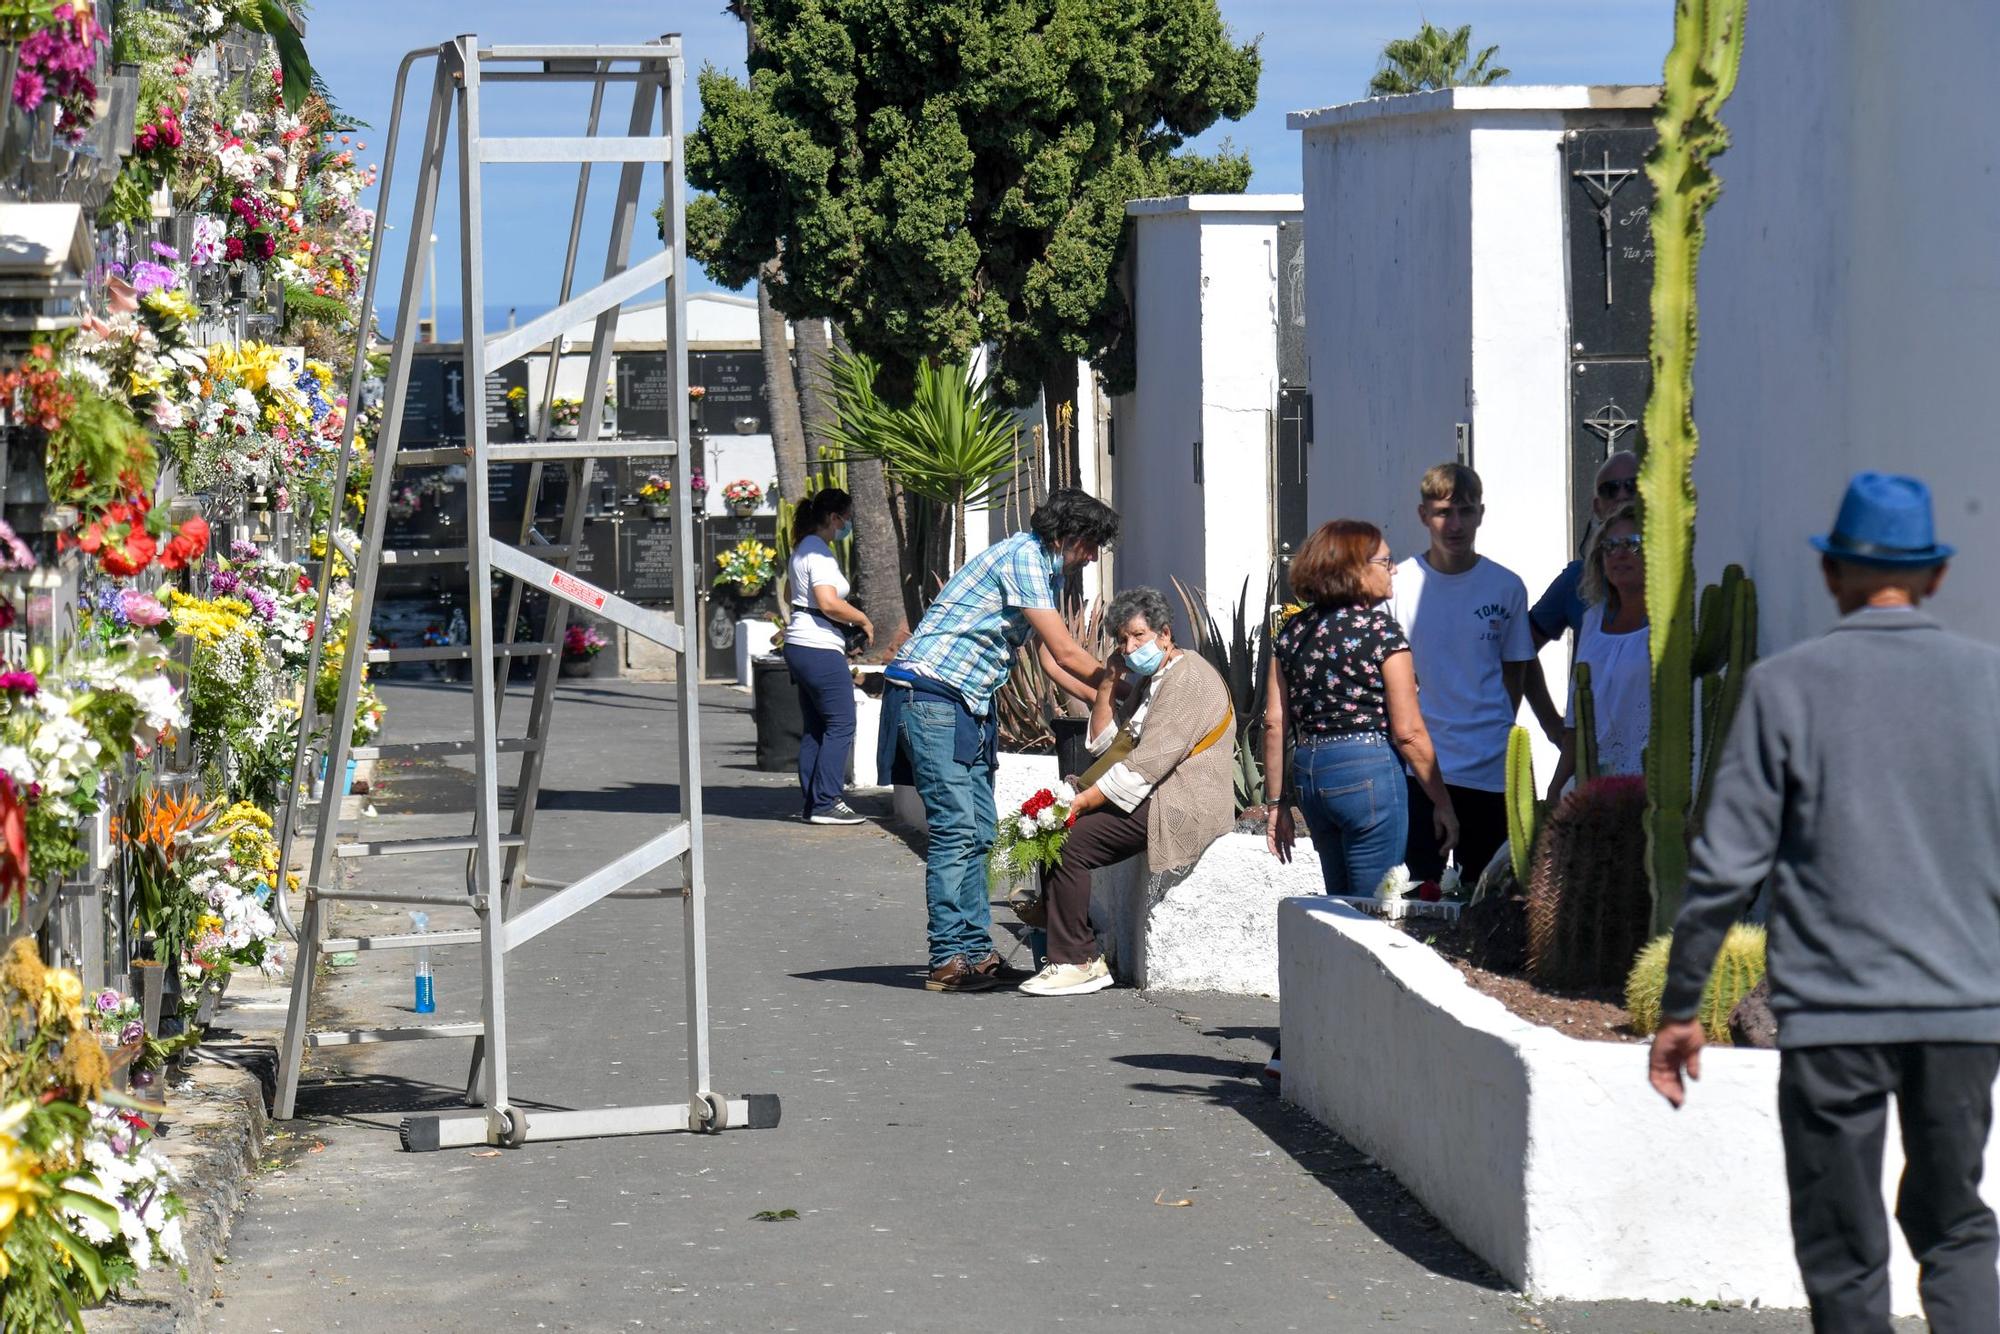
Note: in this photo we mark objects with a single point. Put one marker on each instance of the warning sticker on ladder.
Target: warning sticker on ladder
(569, 586)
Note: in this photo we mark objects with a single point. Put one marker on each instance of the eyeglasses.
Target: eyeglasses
(1612, 488)
(1386, 562)
(1630, 542)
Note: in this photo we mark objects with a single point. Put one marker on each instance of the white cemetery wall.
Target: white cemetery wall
(1850, 295)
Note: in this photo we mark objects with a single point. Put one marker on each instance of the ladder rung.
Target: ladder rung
(432, 458)
(457, 652)
(575, 148)
(411, 941)
(560, 451)
(649, 51)
(348, 1037)
(451, 555)
(411, 750)
(401, 847)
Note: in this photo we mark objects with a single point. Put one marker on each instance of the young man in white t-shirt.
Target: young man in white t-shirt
(1466, 618)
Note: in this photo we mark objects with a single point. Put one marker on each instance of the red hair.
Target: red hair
(1329, 568)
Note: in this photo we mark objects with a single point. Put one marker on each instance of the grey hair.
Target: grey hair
(1592, 587)
(1150, 603)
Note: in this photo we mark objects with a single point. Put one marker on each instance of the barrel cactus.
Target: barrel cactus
(1589, 907)
(1739, 967)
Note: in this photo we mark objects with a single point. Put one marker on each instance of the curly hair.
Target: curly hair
(1131, 603)
(1069, 514)
(1331, 564)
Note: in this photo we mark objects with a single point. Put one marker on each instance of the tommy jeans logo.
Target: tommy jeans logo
(1496, 616)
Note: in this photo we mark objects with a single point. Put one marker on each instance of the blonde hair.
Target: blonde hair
(1592, 586)
(1448, 481)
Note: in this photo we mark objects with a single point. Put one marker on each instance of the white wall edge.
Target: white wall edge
(1499, 97)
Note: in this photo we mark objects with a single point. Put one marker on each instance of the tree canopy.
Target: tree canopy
(1434, 58)
(935, 174)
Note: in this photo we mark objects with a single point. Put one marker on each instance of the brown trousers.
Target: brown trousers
(1103, 836)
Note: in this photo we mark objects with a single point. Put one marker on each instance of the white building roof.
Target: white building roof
(1141, 208)
(1497, 97)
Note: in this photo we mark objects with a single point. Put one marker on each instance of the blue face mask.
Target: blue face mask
(846, 531)
(1146, 659)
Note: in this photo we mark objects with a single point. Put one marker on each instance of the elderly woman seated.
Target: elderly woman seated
(1164, 782)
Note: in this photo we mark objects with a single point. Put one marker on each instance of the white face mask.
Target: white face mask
(1146, 659)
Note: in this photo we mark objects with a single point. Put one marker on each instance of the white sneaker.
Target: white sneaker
(1069, 979)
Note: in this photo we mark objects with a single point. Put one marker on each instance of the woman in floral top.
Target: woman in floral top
(1343, 690)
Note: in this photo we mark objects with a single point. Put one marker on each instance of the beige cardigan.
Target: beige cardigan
(1194, 797)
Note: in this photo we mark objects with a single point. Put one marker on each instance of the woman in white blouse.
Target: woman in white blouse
(816, 651)
(1615, 642)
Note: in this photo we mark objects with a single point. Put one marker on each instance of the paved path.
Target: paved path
(956, 1162)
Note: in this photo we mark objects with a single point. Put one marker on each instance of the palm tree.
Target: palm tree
(1434, 59)
(954, 445)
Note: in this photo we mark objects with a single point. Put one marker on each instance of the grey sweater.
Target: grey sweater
(1862, 777)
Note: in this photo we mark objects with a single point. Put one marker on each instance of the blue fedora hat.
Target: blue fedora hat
(1885, 519)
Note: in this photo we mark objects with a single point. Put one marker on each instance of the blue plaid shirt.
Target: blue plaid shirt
(969, 633)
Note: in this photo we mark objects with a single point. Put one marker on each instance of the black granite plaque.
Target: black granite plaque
(732, 387)
(646, 552)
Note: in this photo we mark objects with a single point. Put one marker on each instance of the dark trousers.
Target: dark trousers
(1832, 1107)
(826, 701)
(1104, 836)
(1482, 828)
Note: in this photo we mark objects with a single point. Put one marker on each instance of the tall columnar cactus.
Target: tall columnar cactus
(1524, 806)
(1700, 74)
(1739, 967)
(1586, 725)
(1588, 906)
(1725, 645)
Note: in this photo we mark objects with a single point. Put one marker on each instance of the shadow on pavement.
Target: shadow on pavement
(906, 976)
(1377, 1198)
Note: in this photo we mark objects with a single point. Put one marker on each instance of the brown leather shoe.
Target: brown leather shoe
(955, 974)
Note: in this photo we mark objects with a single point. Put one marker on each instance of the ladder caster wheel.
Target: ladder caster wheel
(716, 1116)
(516, 1133)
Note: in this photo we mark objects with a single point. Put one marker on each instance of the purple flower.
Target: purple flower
(241, 550)
(166, 252)
(131, 1033)
(29, 90)
(224, 582)
(150, 277)
(21, 682)
(107, 1000)
(261, 602)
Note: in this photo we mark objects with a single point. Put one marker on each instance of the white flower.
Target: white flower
(1394, 885)
(1064, 794)
(1048, 819)
(1026, 826)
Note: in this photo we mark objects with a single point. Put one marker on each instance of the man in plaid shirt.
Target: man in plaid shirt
(938, 727)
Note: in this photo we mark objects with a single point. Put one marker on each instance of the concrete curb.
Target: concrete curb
(214, 1132)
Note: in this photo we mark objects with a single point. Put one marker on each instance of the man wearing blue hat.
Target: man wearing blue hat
(1862, 780)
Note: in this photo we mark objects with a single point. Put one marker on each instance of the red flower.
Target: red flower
(1038, 803)
(135, 555)
(1430, 891)
(187, 545)
(233, 248)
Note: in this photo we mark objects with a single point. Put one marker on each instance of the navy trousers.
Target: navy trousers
(826, 699)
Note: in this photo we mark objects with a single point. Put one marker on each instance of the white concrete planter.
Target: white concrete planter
(754, 639)
(1209, 927)
(1550, 1157)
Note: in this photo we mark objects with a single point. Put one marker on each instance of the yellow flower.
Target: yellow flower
(21, 1183)
(222, 360)
(255, 362)
(62, 997)
(23, 975)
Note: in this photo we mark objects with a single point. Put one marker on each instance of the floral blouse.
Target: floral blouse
(1332, 660)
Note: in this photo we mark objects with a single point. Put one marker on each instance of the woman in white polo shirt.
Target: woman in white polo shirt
(816, 652)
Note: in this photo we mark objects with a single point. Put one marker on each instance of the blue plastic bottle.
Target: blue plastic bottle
(426, 987)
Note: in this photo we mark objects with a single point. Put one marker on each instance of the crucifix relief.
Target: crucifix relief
(1603, 183)
(1608, 423)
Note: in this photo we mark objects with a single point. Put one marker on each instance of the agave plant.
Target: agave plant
(1243, 659)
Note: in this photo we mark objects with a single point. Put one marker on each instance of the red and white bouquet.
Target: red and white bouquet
(1031, 838)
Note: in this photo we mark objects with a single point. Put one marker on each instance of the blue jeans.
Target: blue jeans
(1352, 792)
(958, 804)
(826, 699)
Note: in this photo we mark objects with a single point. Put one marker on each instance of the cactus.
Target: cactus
(1586, 726)
(1588, 906)
(1739, 966)
(1524, 804)
(1725, 645)
(1700, 73)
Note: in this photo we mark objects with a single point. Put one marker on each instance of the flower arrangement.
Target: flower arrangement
(1031, 839)
(566, 411)
(656, 489)
(86, 1201)
(697, 484)
(749, 565)
(743, 494)
(583, 642)
(57, 63)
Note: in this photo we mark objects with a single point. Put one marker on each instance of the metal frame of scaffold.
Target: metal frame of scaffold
(497, 857)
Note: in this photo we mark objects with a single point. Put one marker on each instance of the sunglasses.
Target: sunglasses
(1613, 490)
(1630, 542)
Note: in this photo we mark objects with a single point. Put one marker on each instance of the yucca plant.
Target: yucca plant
(954, 445)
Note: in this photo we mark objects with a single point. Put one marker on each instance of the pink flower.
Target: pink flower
(142, 609)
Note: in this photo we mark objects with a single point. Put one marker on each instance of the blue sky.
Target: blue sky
(1316, 53)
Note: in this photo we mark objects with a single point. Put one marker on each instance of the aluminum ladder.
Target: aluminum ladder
(496, 855)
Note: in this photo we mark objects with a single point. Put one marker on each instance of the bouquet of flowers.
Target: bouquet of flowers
(583, 641)
(1031, 838)
(656, 489)
(743, 492)
(749, 564)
